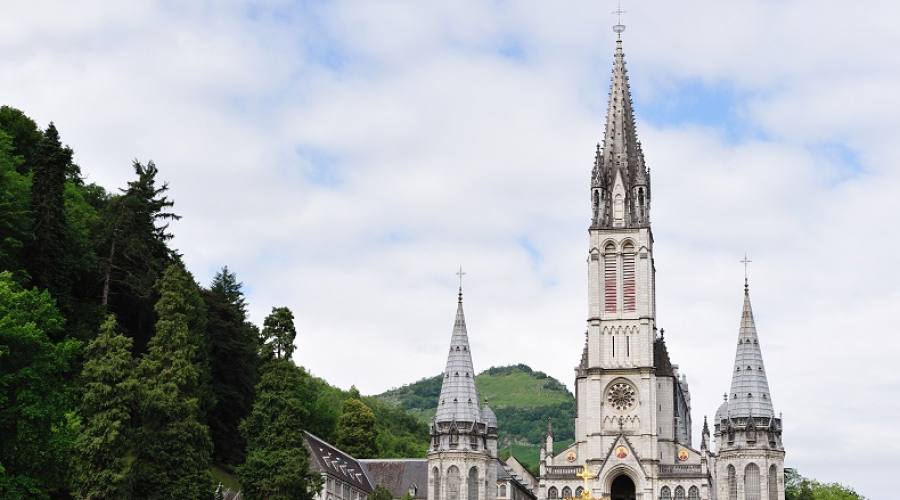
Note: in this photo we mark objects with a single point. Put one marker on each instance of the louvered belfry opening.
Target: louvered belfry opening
(609, 279)
(628, 282)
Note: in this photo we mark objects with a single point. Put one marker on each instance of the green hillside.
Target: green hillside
(522, 398)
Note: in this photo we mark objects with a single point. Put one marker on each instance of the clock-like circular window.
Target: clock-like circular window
(621, 396)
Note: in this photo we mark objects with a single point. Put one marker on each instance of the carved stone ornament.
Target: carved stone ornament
(621, 396)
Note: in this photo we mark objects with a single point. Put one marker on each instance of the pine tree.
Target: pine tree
(47, 255)
(356, 429)
(277, 465)
(233, 343)
(135, 251)
(279, 332)
(34, 393)
(173, 445)
(105, 438)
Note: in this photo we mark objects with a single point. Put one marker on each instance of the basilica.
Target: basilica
(633, 407)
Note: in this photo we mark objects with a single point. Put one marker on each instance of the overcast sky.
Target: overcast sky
(344, 159)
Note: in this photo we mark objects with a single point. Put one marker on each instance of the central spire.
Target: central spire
(620, 181)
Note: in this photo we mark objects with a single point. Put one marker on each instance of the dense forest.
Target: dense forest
(120, 375)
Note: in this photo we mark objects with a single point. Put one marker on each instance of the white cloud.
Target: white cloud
(447, 135)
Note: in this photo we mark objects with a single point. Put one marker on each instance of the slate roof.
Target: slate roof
(661, 358)
(505, 473)
(749, 394)
(398, 475)
(328, 459)
(459, 398)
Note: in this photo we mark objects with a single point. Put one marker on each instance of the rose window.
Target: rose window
(621, 396)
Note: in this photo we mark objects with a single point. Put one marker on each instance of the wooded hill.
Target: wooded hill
(522, 398)
(121, 376)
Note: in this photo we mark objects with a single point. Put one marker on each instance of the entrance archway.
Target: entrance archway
(622, 488)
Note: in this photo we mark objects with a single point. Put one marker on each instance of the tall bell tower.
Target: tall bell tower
(616, 384)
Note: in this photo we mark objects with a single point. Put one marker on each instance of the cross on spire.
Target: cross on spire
(746, 261)
(460, 273)
(619, 27)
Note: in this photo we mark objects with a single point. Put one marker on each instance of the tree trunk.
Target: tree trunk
(112, 252)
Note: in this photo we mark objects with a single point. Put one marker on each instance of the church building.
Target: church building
(633, 405)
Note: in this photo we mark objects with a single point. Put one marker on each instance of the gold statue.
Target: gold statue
(586, 476)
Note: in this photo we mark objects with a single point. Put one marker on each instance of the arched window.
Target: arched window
(773, 482)
(732, 483)
(579, 492)
(751, 482)
(473, 483)
(436, 474)
(665, 493)
(628, 285)
(694, 493)
(452, 483)
(609, 278)
(567, 492)
(679, 493)
(553, 492)
(503, 490)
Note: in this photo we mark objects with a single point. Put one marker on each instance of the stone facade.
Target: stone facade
(633, 405)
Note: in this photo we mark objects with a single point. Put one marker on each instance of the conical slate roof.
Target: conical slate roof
(459, 397)
(621, 152)
(749, 385)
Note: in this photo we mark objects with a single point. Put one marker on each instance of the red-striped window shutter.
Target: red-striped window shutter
(628, 284)
(609, 279)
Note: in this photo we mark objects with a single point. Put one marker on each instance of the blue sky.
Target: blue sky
(345, 158)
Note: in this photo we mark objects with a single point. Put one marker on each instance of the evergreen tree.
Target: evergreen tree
(277, 465)
(47, 255)
(233, 364)
(105, 438)
(356, 429)
(135, 251)
(34, 394)
(279, 332)
(173, 445)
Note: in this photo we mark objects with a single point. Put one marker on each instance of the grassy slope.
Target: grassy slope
(522, 399)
